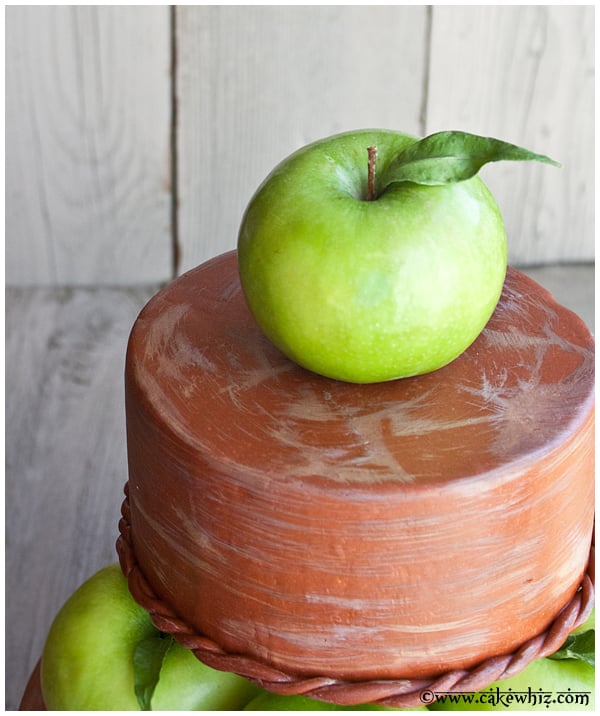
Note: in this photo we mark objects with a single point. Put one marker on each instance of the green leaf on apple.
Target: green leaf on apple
(148, 659)
(448, 157)
(579, 646)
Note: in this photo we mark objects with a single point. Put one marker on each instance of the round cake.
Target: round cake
(329, 530)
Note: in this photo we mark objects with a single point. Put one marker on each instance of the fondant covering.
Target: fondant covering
(392, 530)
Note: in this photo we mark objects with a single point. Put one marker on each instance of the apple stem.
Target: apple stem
(372, 152)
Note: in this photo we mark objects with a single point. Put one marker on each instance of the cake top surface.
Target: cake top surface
(204, 369)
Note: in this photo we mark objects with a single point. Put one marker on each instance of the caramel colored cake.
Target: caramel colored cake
(282, 523)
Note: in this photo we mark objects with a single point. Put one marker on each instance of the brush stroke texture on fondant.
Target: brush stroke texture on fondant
(379, 531)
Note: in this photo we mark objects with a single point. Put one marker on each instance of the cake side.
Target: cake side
(405, 587)
(381, 531)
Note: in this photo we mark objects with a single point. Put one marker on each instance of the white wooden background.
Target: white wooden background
(135, 136)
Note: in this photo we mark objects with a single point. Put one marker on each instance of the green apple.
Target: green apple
(274, 702)
(369, 273)
(88, 657)
(546, 684)
(87, 661)
(185, 684)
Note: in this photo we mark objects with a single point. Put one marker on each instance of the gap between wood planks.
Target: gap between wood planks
(426, 71)
(175, 245)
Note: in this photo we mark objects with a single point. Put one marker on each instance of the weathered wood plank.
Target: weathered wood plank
(65, 453)
(87, 145)
(88, 169)
(255, 83)
(524, 74)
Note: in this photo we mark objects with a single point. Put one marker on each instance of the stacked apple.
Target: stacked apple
(103, 653)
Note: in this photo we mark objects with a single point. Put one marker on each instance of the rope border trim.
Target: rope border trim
(398, 693)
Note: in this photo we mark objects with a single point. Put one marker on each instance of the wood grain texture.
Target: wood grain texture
(87, 145)
(255, 83)
(89, 118)
(65, 453)
(524, 74)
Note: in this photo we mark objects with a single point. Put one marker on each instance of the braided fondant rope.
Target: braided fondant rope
(399, 693)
